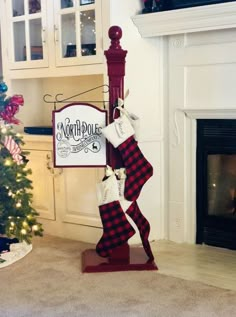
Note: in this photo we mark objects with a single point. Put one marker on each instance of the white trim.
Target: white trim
(194, 19)
(210, 113)
(190, 214)
(190, 162)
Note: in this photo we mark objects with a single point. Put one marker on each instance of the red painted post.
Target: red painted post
(123, 258)
(115, 56)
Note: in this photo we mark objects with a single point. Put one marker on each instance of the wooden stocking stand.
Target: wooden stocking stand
(123, 258)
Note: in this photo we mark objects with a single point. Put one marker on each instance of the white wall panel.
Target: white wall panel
(210, 37)
(210, 86)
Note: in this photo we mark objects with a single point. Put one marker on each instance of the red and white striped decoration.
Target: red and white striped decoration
(13, 148)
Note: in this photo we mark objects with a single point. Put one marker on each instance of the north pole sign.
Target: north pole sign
(77, 137)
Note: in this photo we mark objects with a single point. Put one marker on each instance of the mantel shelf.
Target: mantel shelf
(229, 113)
(195, 19)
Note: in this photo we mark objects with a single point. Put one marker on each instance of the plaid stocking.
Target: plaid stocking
(143, 225)
(132, 209)
(138, 169)
(116, 228)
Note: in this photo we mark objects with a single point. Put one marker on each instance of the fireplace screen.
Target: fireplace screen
(221, 185)
(216, 182)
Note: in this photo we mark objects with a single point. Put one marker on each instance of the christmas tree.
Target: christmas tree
(18, 219)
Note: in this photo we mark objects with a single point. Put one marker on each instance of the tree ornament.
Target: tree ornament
(3, 87)
(14, 149)
(17, 100)
(9, 106)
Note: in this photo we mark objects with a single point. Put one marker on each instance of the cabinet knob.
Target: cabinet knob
(43, 35)
(54, 171)
(49, 164)
(55, 33)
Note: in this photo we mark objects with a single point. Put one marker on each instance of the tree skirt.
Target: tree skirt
(17, 252)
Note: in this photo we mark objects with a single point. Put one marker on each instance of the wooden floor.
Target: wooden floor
(206, 264)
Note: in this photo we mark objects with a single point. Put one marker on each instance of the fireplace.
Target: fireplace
(216, 182)
(195, 56)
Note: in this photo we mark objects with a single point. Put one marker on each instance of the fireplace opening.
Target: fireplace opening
(216, 182)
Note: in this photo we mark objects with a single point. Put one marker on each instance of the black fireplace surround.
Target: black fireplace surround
(216, 182)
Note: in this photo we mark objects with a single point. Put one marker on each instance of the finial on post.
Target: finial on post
(115, 34)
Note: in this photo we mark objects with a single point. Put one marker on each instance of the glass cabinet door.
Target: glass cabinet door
(76, 28)
(27, 25)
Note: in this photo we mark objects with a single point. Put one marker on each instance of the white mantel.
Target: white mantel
(200, 113)
(195, 19)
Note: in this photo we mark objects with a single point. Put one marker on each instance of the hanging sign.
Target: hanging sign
(77, 136)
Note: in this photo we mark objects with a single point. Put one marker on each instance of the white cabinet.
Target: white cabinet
(65, 198)
(46, 35)
(27, 24)
(77, 200)
(77, 27)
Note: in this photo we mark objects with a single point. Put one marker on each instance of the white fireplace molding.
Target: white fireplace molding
(195, 19)
(190, 138)
(200, 113)
(210, 113)
(180, 117)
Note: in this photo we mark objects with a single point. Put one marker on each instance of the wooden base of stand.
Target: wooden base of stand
(134, 260)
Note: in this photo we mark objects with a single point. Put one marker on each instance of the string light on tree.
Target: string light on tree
(25, 224)
(35, 228)
(23, 231)
(18, 204)
(8, 162)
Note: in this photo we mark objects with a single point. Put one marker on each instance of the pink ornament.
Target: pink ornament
(11, 109)
(9, 117)
(17, 99)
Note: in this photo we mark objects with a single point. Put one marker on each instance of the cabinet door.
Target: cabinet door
(78, 32)
(43, 183)
(78, 201)
(27, 26)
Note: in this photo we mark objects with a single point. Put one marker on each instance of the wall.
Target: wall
(35, 111)
(69, 87)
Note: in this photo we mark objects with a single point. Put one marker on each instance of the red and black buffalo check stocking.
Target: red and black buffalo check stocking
(138, 169)
(116, 228)
(143, 226)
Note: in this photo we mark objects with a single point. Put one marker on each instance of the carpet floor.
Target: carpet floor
(48, 283)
